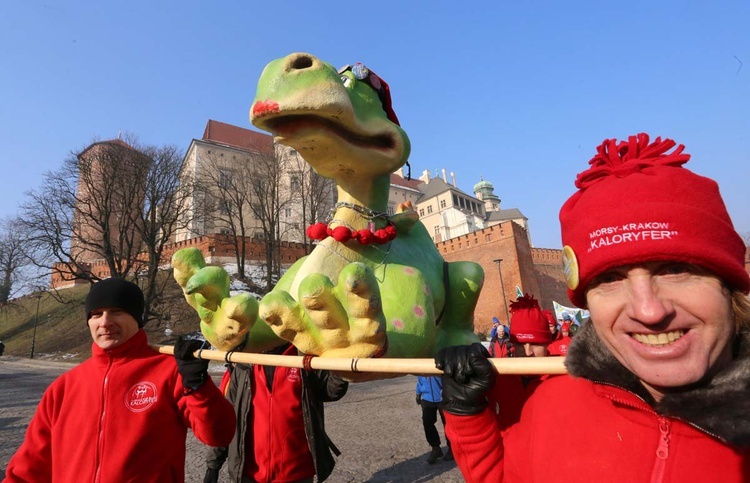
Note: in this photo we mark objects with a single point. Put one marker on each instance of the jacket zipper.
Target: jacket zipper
(676, 418)
(100, 438)
(662, 452)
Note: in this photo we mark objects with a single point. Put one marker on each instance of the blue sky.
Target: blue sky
(519, 93)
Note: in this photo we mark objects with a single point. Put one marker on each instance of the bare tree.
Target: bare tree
(114, 202)
(83, 212)
(271, 194)
(226, 186)
(315, 195)
(161, 215)
(13, 278)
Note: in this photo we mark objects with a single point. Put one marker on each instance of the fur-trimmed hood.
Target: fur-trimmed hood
(720, 407)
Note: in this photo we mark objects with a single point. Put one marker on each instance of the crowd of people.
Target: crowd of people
(532, 331)
(657, 385)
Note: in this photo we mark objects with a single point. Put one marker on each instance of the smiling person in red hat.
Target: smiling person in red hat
(660, 375)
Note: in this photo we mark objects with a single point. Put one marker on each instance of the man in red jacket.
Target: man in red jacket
(659, 378)
(123, 414)
(559, 346)
(280, 434)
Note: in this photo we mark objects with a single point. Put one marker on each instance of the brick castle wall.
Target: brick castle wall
(216, 249)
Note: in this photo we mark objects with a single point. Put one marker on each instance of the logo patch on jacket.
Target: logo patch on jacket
(293, 374)
(141, 396)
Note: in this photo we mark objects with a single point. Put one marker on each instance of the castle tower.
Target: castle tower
(485, 191)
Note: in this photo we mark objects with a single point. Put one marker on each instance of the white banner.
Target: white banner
(572, 314)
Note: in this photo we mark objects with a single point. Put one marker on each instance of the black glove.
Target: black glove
(467, 375)
(419, 399)
(212, 475)
(194, 371)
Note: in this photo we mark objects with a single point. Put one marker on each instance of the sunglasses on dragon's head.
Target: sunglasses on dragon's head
(362, 73)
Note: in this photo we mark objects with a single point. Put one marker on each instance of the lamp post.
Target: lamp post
(502, 288)
(36, 323)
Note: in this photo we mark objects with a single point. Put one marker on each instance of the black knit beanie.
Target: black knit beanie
(116, 293)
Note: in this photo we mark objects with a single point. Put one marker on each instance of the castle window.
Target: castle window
(225, 207)
(225, 178)
(442, 203)
(429, 208)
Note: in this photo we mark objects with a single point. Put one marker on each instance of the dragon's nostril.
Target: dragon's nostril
(302, 62)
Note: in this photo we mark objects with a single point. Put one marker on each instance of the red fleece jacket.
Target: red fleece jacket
(572, 429)
(120, 416)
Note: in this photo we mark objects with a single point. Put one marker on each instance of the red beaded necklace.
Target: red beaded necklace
(321, 231)
(342, 234)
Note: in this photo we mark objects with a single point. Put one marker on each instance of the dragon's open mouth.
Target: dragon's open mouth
(285, 125)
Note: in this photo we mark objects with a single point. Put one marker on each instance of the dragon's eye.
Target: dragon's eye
(346, 80)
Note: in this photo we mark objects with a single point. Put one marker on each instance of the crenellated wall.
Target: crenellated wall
(216, 249)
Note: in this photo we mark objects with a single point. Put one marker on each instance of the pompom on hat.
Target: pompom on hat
(116, 293)
(528, 324)
(637, 204)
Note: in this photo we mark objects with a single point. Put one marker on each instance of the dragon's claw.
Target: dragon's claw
(328, 318)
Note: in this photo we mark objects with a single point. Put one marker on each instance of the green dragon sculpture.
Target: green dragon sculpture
(348, 298)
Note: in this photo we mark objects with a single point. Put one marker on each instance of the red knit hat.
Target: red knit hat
(551, 319)
(527, 322)
(638, 204)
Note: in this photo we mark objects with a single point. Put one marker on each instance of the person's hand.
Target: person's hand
(194, 371)
(419, 399)
(467, 375)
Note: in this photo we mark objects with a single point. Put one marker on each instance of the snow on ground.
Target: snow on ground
(56, 356)
(256, 273)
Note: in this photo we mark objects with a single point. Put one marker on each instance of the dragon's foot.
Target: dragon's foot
(345, 320)
(225, 319)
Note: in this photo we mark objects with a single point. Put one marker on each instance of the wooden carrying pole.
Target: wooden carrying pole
(521, 365)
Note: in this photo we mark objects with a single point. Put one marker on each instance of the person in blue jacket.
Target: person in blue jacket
(429, 395)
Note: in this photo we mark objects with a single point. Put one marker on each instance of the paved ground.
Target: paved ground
(377, 427)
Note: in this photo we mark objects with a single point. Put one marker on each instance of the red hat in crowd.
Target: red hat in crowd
(527, 322)
(636, 204)
(551, 319)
